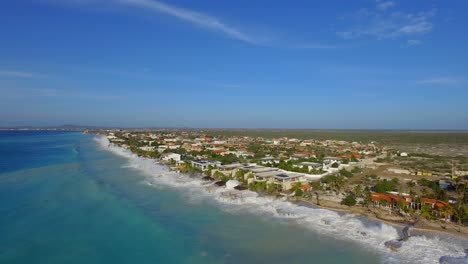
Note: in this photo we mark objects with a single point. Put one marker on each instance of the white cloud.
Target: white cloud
(20, 74)
(195, 18)
(387, 25)
(442, 81)
(383, 5)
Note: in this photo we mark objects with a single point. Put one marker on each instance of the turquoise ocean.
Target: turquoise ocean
(67, 197)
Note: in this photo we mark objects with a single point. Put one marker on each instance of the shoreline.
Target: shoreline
(336, 207)
(371, 215)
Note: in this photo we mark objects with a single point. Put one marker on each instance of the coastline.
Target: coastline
(365, 213)
(369, 214)
(344, 224)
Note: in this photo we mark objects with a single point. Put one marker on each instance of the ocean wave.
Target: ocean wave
(373, 235)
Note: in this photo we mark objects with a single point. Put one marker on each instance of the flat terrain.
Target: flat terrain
(442, 143)
(381, 136)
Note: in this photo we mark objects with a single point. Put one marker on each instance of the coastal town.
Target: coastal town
(367, 178)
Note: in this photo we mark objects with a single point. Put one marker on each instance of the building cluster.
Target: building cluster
(284, 148)
(284, 163)
(258, 156)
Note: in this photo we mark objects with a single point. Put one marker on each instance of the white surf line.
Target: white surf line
(418, 249)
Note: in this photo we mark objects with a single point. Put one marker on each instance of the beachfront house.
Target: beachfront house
(285, 179)
(168, 157)
(229, 169)
(388, 200)
(203, 165)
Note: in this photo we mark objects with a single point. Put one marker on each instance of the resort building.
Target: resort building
(285, 179)
(171, 157)
(203, 165)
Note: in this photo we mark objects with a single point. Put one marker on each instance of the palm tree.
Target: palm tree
(358, 190)
(446, 211)
(339, 184)
(459, 213)
(367, 196)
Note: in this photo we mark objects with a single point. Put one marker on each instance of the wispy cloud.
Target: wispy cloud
(193, 17)
(381, 23)
(442, 81)
(20, 74)
(211, 23)
(383, 5)
(75, 94)
(412, 42)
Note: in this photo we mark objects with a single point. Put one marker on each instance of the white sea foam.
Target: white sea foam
(373, 235)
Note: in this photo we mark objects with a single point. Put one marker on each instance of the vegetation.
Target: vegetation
(381, 136)
(349, 201)
(356, 170)
(346, 173)
(386, 186)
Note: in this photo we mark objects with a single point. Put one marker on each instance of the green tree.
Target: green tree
(356, 170)
(367, 195)
(239, 175)
(358, 191)
(299, 192)
(385, 186)
(426, 212)
(346, 173)
(349, 200)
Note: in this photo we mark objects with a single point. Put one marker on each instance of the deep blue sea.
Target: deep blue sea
(65, 198)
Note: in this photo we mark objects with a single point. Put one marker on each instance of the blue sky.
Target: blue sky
(254, 64)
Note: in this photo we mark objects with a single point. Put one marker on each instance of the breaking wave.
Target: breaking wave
(372, 235)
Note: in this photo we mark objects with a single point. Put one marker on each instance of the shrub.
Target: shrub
(385, 186)
(299, 192)
(346, 173)
(349, 200)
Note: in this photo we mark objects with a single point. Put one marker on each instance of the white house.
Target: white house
(310, 165)
(269, 160)
(162, 148)
(171, 157)
(147, 148)
(204, 164)
(331, 160)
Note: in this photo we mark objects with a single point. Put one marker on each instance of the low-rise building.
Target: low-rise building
(171, 157)
(269, 160)
(203, 165)
(331, 160)
(147, 148)
(309, 165)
